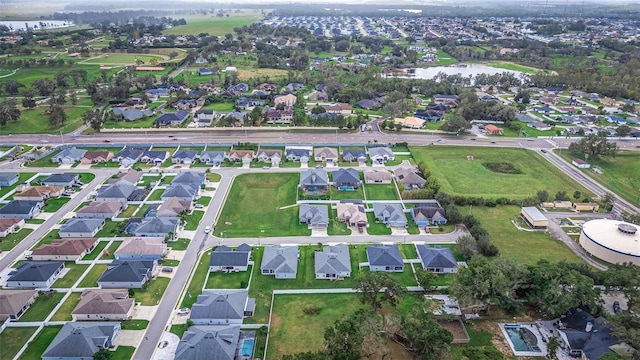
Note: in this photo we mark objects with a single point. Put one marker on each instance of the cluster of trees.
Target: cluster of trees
(430, 189)
(594, 145)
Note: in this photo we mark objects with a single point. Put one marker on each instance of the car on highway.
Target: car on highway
(184, 311)
(171, 136)
(473, 139)
(493, 141)
(106, 140)
(207, 229)
(44, 141)
(266, 167)
(543, 151)
(529, 139)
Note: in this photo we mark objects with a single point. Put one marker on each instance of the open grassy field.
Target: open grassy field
(621, 173)
(444, 58)
(381, 191)
(123, 59)
(214, 25)
(37, 347)
(459, 176)
(256, 207)
(512, 66)
(511, 241)
(35, 121)
(12, 339)
(289, 322)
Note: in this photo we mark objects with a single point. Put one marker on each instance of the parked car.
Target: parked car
(184, 311)
(266, 168)
(529, 139)
(426, 229)
(28, 255)
(199, 206)
(207, 229)
(616, 307)
(167, 269)
(493, 141)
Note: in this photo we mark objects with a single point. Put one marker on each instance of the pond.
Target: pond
(465, 70)
(18, 25)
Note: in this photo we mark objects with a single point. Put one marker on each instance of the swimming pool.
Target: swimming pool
(131, 228)
(247, 347)
(522, 338)
(150, 213)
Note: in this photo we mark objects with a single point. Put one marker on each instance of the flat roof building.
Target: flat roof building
(611, 240)
(534, 218)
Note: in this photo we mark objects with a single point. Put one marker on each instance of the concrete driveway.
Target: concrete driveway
(144, 312)
(167, 348)
(130, 337)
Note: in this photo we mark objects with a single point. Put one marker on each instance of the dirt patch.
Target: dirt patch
(502, 168)
(456, 329)
(497, 339)
(390, 350)
(275, 321)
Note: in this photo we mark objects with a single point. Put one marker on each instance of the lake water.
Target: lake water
(48, 24)
(464, 70)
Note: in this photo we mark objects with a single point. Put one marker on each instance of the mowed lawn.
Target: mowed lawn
(525, 247)
(459, 176)
(12, 339)
(621, 174)
(381, 191)
(290, 324)
(254, 204)
(214, 25)
(37, 347)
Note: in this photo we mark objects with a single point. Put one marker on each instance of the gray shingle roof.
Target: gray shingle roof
(19, 207)
(384, 255)
(333, 259)
(81, 225)
(157, 225)
(213, 156)
(280, 259)
(127, 271)
(346, 176)
(180, 191)
(208, 342)
(185, 154)
(225, 256)
(220, 305)
(35, 271)
(436, 257)
(81, 339)
(59, 178)
(390, 212)
(380, 152)
(189, 177)
(73, 153)
(7, 177)
(120, 190)
(130, 153)
(314, 215)
(314, 177)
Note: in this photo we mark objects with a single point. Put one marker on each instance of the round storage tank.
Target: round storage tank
(611, 240)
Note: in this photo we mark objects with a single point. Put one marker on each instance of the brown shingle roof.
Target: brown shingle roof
(95, 155)
(68, 246)
(38, 191)
(132, 176)
(11, 301)
(142, 246)
(101, 207)
(104, 301)
(8, 223)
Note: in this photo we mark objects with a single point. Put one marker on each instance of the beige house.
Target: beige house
(326, 154)
(410, 122)
(141, 248)
(14, 303)
(101, 210)
(173, 207)
(352, 214)
(131, 176)
(68, 249)
(10, 225)
(39, 193)
(287, 100)
(95, 157)
(339, 108)
(104, 304)
(377, 176)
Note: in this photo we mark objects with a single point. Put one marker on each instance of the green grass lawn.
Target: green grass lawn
(180, 244)
(91, 278)
(128, 212)
(214, 25)
(204, 200)
(53, 205)
(444, 58)
(376, 228)
(381, 191)
(12, 339)
(197, 281)
(512, 66)
(477, 338)
(34, 121)
(256, 211)
(123, 353)
(193, 220)
(70, 278)
(22, 177)
(170, 262)
(621, 174)
(336, 227)
(134, 324)
(109, 253)
(147, 180)
(511, 242)
(44, 162)
(178, 329)
(459, 176)
(64, 312)
(34, 221)
(153, 293)
(122, 59)
(156, 195)
(213, 177)
(110, 229)
(347, 195)
(37, 347)
(234, 280)
(10, 241)
(41, 308)
(290, 323)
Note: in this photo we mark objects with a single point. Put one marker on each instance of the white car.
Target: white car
(183, 311)
(207, 229)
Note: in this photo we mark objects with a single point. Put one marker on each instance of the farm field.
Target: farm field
(214, 25)
(529, 172)
(257, 207)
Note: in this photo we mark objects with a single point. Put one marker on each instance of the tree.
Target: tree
(343, 341)
(9, 111)
(594, 145)
(425, 337)
(543, 196)
(102, 354)
(93, 118)
(74, 98)
(608, 199)
(12, 87)
(623, 131)
(562, 196)
(467, 246)
(173, 55)
(57, 117)
(425, 278)
(552, 348)
(318, 110)
(28, 99)
(456, 124)
(370, 284)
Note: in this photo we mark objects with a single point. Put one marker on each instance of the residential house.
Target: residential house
(380, 155)
(68, 156)
(212, 342)
(280, 261)
(314, 181)
(297, 154)
(64, 180)
(409, 178)
(246, 156)
(411, 122)
(270, 156)
(437, 259)
(171, 119)
(120, 192)
(287, 100)
(354, 155)
(346, 179)
(80, 340)
(130, 177)
(429, 115)
(185, 104)
(186, 157)
(524, 118)
(127, 274)
(147, 248)
(104, 305)
(326, 154)
(132, 114)
(391, 214)
(576, 162)
(385, 258)
(338, 108)
(69, 249)
(156, 158)
(539, 125)
(428, 215)
(215, 158)
(205, 72)
(333, 262)
(245, 103)
(22, 209)
(39, 193)
(101, 210)
(79, 228)
(14, 303)
(352, 214)
(280, 117)
(157, 227)
(584, 336)
(493, 130)
(133, 103)
(189, 178)
(96, 157)
(315, 216)
(268, 87)
(8, 179)
(173, 207)
(294, 87)
(128, 156)
(35, 274)
(158, 92)
(215, 307)
(204, 117)
(450, 100)
(377, 176)
(366, 104)
(225, 259)
(239, 88)
(317, 95)
(10, 225)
